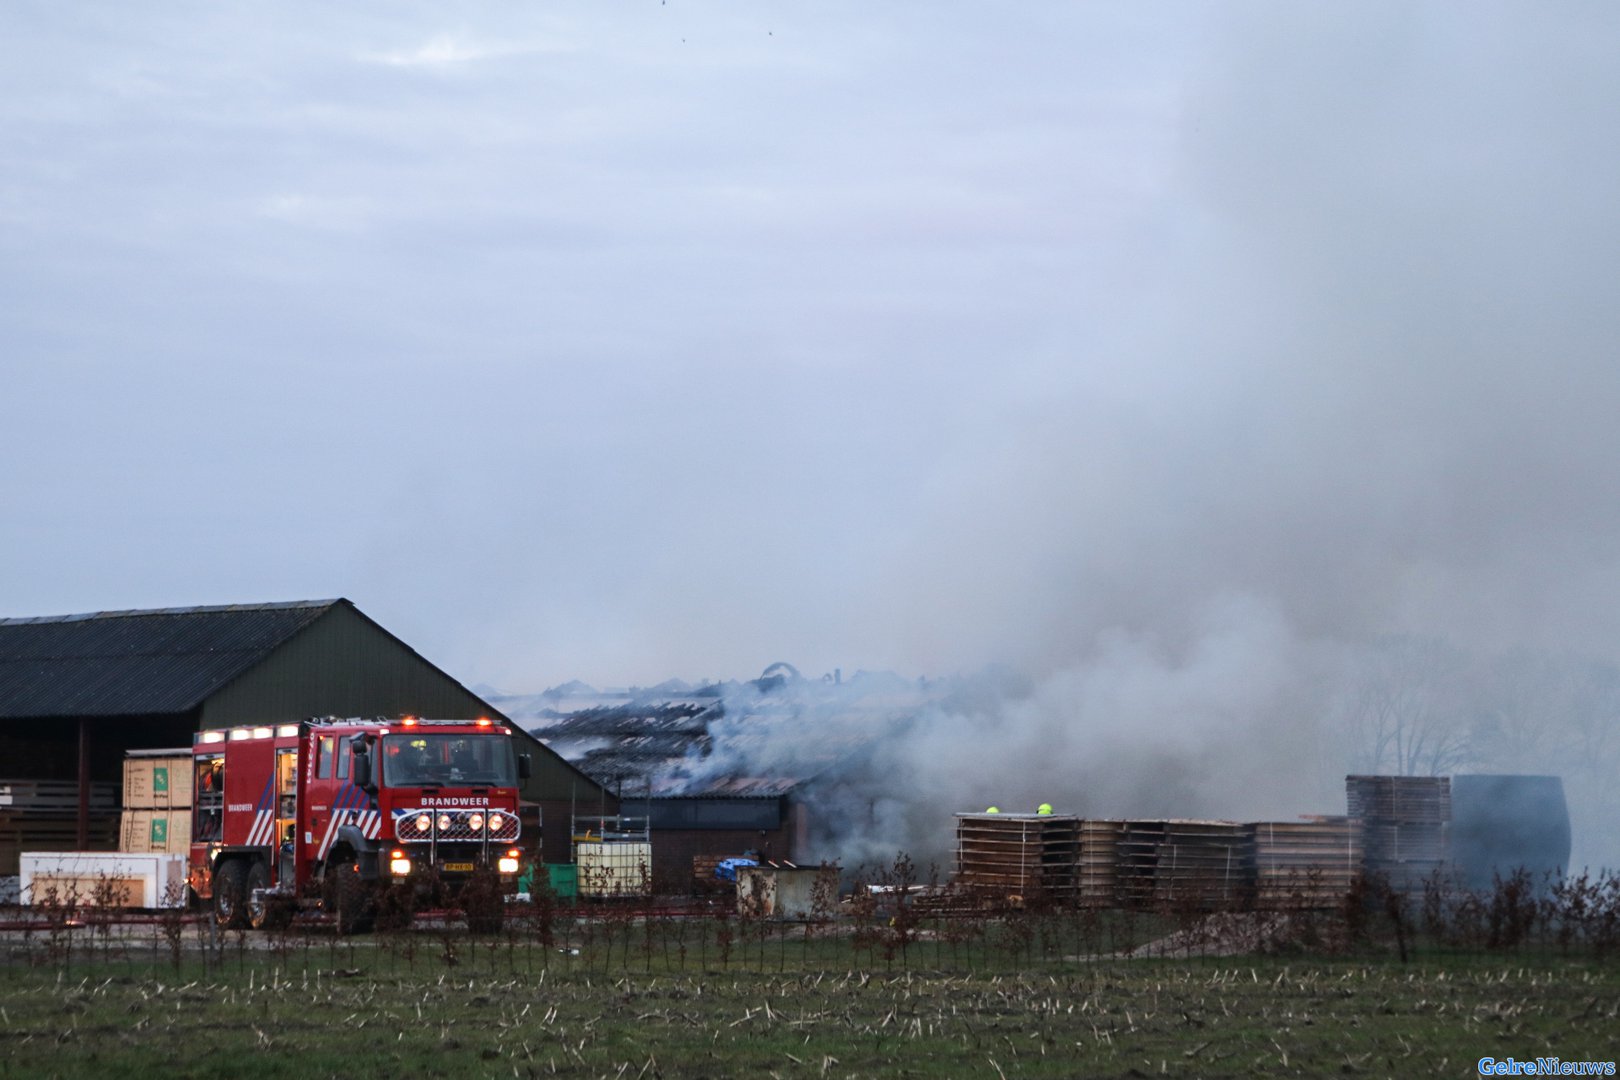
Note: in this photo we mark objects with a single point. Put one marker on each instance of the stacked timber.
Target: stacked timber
(1019, 857)
(1098, 872)
(43, 815)
(1185, 863)
(1310, 863)
(1203, 865)
(1404, 825)
(1138, 861)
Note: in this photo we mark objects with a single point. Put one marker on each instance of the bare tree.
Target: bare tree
(1409, 707)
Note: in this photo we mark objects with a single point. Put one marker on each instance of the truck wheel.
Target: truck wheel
(253, 899)
(347, 898)
(264, 912)
(229, 893)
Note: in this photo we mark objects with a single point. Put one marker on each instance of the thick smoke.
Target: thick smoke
(1329, 493)
(1371, 395)
(1357, 437)
(1224, 730)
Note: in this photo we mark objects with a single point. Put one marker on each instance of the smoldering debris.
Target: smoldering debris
(1250, 724)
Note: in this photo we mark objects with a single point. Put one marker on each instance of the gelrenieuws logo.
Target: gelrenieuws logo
(1543, 1066)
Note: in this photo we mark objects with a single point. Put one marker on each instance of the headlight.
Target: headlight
(424, 822)
(398, 864)
(495, 822)
(444, 822)
(476, 823)
(506, 864)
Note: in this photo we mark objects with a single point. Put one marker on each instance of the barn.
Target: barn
(78, 691)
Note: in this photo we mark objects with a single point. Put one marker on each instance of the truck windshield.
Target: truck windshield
(420, 759)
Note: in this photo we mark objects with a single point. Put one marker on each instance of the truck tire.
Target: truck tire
(265, 912)
(253, 899)
(230, 885)
(348, 898)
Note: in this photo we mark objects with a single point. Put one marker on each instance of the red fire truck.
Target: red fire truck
(337, 813)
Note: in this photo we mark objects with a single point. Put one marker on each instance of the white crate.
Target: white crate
(125, 878)
(613, 869)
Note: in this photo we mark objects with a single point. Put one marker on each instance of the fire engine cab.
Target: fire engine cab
(335, 813)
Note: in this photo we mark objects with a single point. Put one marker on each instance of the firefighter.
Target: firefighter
(1044, 809)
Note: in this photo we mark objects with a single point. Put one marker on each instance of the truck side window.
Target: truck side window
(209, 813)
(323, 769)
(343, 760)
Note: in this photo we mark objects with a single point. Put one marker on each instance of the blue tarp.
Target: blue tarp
(726, 869)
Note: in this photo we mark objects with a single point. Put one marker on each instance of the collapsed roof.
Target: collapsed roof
(754, 740)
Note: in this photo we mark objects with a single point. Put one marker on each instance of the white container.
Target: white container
(783, 892)
(110, 878)
(613, 868)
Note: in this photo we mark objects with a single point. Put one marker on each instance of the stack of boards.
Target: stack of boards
(1307, 863)
(1404, 821)
(157, 802)
(1020, 856)
(1191, 864)
(1397, 827)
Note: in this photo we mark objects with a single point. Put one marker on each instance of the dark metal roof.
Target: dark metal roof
(767, 746)
(132, 663)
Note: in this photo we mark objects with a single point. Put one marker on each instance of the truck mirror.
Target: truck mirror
(525, 767)
(360, 769)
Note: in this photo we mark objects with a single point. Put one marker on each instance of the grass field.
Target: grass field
(353, 1011)
(1380, 988)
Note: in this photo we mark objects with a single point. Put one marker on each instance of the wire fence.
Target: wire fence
(883, 921)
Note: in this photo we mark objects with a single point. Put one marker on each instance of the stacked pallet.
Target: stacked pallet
(1310, 863)
(1022, 856)
(1404, 825)
(43, 815)
(1203, 865)
(1138, 862)
(1189, 863)
(157, 802)
(1098, 870)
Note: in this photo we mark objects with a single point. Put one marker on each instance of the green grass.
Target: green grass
(358, 1011)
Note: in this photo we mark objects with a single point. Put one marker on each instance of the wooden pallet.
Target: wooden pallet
(1311, 863)
(1191, 863)
(1405, 824)
(1025, 855)
(1098, 870)
(1399, 798)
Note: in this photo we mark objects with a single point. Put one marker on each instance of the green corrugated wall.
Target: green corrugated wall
(343, 664)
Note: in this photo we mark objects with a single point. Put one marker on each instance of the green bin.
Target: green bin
(564, 879)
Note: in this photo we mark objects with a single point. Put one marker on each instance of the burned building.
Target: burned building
(642, 751)
(723, 770)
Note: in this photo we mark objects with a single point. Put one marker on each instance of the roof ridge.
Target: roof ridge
(205, 609)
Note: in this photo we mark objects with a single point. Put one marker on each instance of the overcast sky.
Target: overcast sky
(622, 341)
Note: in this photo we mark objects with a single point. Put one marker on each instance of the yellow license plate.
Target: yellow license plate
(459, 867)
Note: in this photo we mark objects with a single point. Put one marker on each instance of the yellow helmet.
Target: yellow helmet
(994, 810)
(1044, 808)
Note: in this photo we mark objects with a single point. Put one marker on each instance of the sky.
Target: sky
(628, 341)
